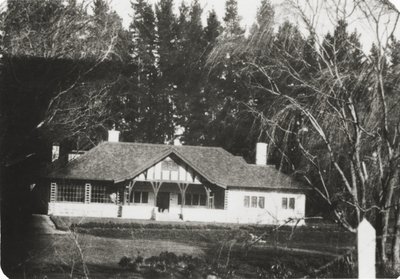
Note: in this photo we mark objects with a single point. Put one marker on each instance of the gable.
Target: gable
(170, 169)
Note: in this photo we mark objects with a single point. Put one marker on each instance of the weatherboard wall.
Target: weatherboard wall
(272, 211)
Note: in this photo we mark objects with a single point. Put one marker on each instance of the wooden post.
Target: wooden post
(183, 187)
(156, 187)
(208, 190)
(366, 243)
(129, 189)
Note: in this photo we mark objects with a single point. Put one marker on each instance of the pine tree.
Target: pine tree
(394, 50)
(144, 41)
(167, 51)
(191, 85)
(107, 29)
(142, 107)
(213, 28)
(167, 37)
(225, 87)
(232, 19)
(343, 48)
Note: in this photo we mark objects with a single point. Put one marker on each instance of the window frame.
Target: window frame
(99, 194)
(134, 194)
(261, 201)
(254, 201)
(246, 201)
(66, 193)
(191, 198)
(284, 203)
(292, 206)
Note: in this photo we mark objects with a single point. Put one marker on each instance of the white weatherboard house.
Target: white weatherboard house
(167, 182)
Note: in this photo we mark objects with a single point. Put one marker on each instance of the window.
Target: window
(188, 199)
(100, 194)
(288, 203)
(145, 197)
(203, 199)
(284, 203)
(71, 193)
(291, 203)
(137, 196)
(193, 199)
(246, 201)
(261, 202)
(140, 197)
(169, 165)
(253, 201)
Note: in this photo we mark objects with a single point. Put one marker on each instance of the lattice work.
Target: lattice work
(53, 192)
(226, 199)
(126, 195)
(70, 193)
(88, 191)
(99, 194)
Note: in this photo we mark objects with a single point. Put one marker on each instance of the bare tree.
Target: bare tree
(343, 114)
(57, 31)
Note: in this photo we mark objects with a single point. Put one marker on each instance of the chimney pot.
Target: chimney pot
(55, 154)
(261, 153)
(113, 135)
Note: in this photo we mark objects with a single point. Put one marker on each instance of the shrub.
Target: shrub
(139, 260)
(125, 262)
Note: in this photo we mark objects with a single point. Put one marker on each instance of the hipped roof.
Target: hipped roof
(120, 161)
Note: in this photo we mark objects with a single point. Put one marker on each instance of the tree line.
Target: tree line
(329, 108)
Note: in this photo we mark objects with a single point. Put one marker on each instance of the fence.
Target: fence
(366, 243)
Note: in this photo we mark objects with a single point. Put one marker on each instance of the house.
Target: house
(168, 182)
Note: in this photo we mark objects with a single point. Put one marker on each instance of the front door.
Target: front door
(163, 201)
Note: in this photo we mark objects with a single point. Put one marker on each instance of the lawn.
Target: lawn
(222, 249)
(331, 239)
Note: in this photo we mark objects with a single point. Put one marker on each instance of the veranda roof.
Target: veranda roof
(119, 161)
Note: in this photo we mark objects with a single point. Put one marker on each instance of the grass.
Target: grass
(60, 253)
(305, 237)
(104, 242)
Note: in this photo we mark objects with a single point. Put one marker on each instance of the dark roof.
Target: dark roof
(121, 161)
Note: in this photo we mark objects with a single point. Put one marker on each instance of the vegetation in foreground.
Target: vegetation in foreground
(324, 238)
(230, 251)
(106, 249)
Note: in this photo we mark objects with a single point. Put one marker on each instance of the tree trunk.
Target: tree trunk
(388, 205)
(380, 240)
(384, 236)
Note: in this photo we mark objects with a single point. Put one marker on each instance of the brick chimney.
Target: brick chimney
(261, 153)
(55, 152)
(113, 135)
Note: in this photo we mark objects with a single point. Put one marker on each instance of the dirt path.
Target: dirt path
(41, 224)
(51, 246)
(309, 251)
